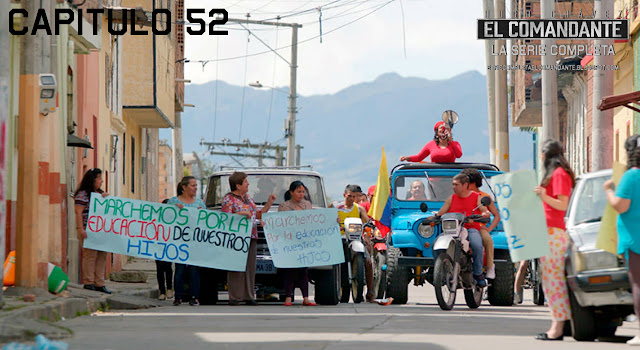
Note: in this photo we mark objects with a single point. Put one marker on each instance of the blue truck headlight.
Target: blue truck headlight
(425, 231)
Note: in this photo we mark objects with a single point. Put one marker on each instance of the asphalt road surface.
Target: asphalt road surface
(418, 325)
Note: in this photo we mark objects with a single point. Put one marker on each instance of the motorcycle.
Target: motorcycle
(354, 250)
(453, 268)
(379, 258)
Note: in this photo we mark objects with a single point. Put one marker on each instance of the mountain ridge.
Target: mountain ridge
(342, 133)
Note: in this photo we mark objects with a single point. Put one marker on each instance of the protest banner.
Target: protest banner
(521, 214)
(607, 239)
(304, 238)
(165, 232)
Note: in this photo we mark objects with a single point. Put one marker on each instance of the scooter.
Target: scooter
(453, 268)
(354, 258)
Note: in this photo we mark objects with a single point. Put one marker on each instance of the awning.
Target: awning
(75, 141)
(624, 100)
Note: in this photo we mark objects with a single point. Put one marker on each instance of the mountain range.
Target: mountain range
(342, 133)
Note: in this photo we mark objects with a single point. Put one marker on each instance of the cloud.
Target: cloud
(437, 46)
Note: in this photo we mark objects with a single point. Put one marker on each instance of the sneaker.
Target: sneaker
(480, 281)
(162, 297)
(634, 341)
(169, 294)
(103, 289)
(194, 302)
(177, 302)
(491, 272)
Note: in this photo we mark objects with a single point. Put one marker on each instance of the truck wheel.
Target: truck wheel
(500, 292)
(583, 320)
(397, 277)
(327, 286)
(379, 274)
(357, 278)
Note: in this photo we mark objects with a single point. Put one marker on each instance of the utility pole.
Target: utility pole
(176, 142)
(550, 124)
(501, 107)
(291, 135)
(28, 147)
(487, 7)
(4, 121)
(602, 128)
(293, 66)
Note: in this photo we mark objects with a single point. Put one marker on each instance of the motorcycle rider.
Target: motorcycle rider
(465, 201)
(475, 183)
(350, 209)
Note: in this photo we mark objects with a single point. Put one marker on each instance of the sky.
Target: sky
(439, 38)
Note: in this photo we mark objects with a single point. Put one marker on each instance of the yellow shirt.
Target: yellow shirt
(344, 213)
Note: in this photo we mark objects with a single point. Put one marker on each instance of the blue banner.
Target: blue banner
(165, 232)
(304, 238)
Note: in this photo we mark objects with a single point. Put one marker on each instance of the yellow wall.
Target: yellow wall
(622, 116)
(138, 72)
(132, 130)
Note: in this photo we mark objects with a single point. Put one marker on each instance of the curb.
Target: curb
(25, 323)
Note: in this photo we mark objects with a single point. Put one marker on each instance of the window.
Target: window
(419, 188)
(133, 164)
(124, 158)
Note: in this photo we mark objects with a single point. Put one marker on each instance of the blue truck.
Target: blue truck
(410, 244)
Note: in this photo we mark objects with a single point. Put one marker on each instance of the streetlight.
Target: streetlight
(291, 122)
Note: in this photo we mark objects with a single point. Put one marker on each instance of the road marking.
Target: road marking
(279, 337)
(472, 314)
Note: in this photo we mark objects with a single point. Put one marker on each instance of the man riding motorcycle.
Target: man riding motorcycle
(350, 209)
(465, 201)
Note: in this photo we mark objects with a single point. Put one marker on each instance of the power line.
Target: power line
(300, 42)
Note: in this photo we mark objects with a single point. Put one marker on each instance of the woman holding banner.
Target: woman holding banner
(241, 284)
(94, 262)
(626, 201)
(296, 277)
(554, 190)
(187, 190)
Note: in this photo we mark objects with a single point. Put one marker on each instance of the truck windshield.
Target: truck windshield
(262, 185)
(416, 188)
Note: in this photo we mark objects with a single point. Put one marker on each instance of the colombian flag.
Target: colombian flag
(381, 205)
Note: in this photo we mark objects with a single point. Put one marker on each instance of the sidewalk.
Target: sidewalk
(21, 320)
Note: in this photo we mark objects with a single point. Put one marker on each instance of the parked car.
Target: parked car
(599, 289)
(410, 244)
(263, 182)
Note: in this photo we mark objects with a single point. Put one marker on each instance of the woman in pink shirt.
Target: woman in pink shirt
(442, 148)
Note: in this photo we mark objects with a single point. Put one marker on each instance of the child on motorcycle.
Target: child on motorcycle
(442, 148)
(465, 201)
(474, 184)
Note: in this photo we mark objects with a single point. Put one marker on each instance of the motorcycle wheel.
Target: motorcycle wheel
(379, 275)
(538, 293)
(357, 278)
(442, 280)
(345, 285)
(473, 297)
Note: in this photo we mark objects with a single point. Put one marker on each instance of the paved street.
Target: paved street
(420, 324)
